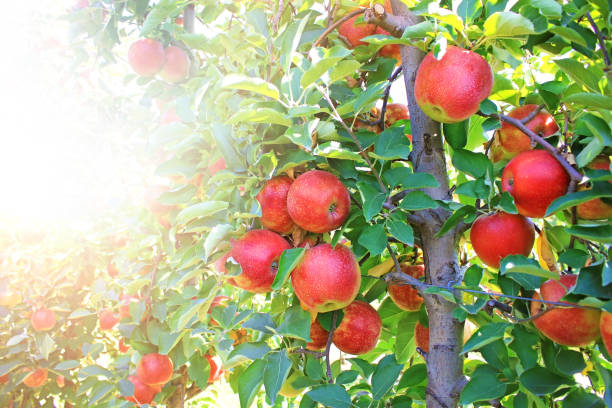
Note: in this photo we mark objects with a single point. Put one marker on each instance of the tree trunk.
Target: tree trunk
(444, 364)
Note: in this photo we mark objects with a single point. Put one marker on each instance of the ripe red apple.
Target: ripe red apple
(273, 201)
(146, 56)
(43, 319)
(327, 278)
(143, 393)
(36, 378)
(217, 166)
(154, 369)
(217, 301)
(112, 270)
(216, 370)
(391, 50)
(359, 330)
(353, 32)
(318, 335)
(176, 68)
(605, 326)
(496, 151)
(318, 201)
(123, 348)
(515, 141)
(421, 335)
(4, 379)
(60, 381)
(405, 296)
(257, 252)
(107, 319)
(124, 305)
(568, 326)
(534, 178)
(450, 90)
(497, 235)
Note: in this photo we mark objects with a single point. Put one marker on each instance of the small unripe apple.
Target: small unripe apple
(36, 378)
(327, 278)
(273, 201)
(43, 319)
(143, 393)
(405, 296)
(497, 235)
(146, 57)
(318, 201)
(595, 209)
(421, 335)
(605, 327)
(450, 89)
(216, 370)
(258, 253)
(107, 319)
(359, 329)
(535, 179)
(515, 141)
(318, 335)
(567, 326)
(176, 68)
(353, 32)
(497, 152)
(155, 369)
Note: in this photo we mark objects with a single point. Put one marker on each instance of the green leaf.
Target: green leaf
(573, 199)
(205, 209)
(275, 373)
(577, 72)
(417, 200)
(372, 199)
(474, 164)
(392, 144)
(67, 365)
(160, 12)
(167, 341)
(590, 282)
(249, 383)
(384, 376)
(260, 115)
(199, 370)
(399, 228)
(548, 8)
(419, 30)
(296, 323)
(458, 216)
(507, 24)
(245, 83)
(261, 322)
(580, 397)
(126, 388)
(568, 34)
(179, 319)
(289, 260)
(485, 335)
(414, 375)
(590, 100)
(456, 134)
(599, 233)
(570, 362)
(252, 351)
(483, 386)
(541, 381)
(214, 238)
(330, 395)
(330, 58)
(343, 69)
(373, 238)
(521, 264)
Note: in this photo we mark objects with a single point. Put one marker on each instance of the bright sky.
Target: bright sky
(57, 166)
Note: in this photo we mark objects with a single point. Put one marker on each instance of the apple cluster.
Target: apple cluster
(148, 57)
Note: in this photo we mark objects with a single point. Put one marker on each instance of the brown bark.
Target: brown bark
(444, 364)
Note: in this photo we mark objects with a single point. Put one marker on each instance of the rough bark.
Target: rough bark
(444, 364)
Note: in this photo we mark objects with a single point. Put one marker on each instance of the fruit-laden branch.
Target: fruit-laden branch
(517, 123)
(336, 25)
(602, 45)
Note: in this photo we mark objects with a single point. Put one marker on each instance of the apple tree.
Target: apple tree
(386, 204)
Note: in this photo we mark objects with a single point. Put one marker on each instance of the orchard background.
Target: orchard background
(126, 191)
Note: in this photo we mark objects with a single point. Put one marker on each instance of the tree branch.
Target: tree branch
(602, 45)
(328, 346)
(336, 24)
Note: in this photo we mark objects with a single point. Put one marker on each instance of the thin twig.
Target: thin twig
(602, 45)
(532, 114)
(328, 346)
(279, 13)
(383, 110)
(336, 24)
(301, 350)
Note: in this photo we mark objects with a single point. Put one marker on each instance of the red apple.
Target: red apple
(450, 89)
(396, 112)
(353, 32)
(154, 369)
(273, 201)
(123, 348)
(595, 209)
(112, 270)
(146, 57)
(43, 319)
(318, 335)
(80, 4)
(496, 151)
(421, 335)
(605, 326)
(497, 235)
(390, 50)
(176, 68)
(60, 381)
(327, 278)
(601, 162)
(4, 379)
(143, 393)
(36, 378)
(257, 252)
(534, 178)
(567, 326)
(216, 371)
(359, 330)
(107, 319)
(515, 141)
(217, 301)
(151, 199)
(217, 166)
(124, 308)
(405, 296)
(318, 201)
